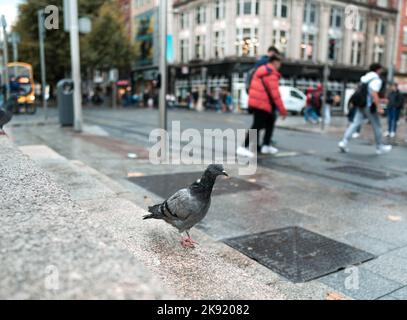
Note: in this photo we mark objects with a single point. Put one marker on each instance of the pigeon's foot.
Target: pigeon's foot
(187, 243)
(192, 241)
(2, 132)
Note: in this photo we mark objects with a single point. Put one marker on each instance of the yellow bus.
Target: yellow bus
(22, 85)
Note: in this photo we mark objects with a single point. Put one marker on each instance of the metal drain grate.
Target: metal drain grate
(364, 172)
(164, 185)
(298, 254)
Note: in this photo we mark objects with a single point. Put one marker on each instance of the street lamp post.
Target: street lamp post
(75, 64)
(163, 72)
(41, 32)
(163, 63)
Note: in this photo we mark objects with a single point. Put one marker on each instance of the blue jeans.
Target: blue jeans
(309, 113)
(374, 119)
(393, 115)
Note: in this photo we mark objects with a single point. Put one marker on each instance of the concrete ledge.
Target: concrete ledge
(211, 271)
(50, 248)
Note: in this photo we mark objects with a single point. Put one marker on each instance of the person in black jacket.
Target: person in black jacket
(394, 107)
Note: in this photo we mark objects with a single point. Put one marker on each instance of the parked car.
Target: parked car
(293, 98)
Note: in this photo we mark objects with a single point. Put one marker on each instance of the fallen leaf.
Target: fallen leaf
(394, 218)
(135, 174)
(334, 296)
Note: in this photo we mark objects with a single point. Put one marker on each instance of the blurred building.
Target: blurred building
(145, 35)
(217, 41)
(401, 52)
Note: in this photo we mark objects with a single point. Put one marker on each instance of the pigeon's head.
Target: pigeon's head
(216, 170)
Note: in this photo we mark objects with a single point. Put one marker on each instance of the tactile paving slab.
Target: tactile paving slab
(298, 254)
(164, 185)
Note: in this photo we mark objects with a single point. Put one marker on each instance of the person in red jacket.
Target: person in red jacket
(264, 102)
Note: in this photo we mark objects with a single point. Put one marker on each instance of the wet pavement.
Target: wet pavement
(358, 198)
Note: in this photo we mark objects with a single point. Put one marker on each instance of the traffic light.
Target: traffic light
(331, 49)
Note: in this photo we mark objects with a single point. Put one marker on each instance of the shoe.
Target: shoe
(384, 148)
(243, 152)
(355, 135)
(392, 134)
(386, 134)
(342, 145)
(269, 150)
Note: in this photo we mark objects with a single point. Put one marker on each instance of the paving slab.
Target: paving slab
(360, 283)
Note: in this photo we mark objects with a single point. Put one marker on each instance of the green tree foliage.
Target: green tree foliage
(106, 46)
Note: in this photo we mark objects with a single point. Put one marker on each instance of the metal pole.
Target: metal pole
(163, 74)
(5, 58)
(324, 93)
(75, 64)
(41, 33)
(163, 63)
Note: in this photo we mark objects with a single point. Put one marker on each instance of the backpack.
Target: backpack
(359, 97)
(251, 72)
(249, 78)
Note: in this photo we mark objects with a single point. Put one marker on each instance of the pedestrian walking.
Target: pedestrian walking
(366, 99)
(309, 113)
(394, 107)
(264, 102)
(316, 100)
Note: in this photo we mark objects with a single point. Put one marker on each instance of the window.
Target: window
(336, 18)
(246, 42)
(184, 50)
(405, 35)
(280, 40)
(360, 24)
(219, 44)
(200, 47)
(184, 20)
(378, 53)
(220, 9)
(382, 3)
(356, 53)
(380, 27)
(280, 8)
(200, 15)
(308, 47)
(247, 7)
(333, 49)
(310, 13)
(295, 94)
(403, 63)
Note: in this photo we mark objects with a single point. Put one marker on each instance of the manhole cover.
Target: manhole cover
(364, 172)
(298, 254)
(164, 185)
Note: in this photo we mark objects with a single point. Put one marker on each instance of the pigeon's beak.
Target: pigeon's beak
(224, 173)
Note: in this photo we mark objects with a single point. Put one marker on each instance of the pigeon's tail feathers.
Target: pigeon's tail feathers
(155, 212)
(148, 216)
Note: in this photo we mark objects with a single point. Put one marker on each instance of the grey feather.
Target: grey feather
(188, 206)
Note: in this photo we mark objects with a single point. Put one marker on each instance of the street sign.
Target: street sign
(113, 75)
(85, 25)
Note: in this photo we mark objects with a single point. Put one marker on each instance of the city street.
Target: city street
(357, 198)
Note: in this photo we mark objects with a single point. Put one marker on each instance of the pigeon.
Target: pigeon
(188, 206)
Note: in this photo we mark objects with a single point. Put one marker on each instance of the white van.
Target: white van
(293, 98)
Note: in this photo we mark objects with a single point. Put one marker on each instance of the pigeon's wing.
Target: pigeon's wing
(180, 205)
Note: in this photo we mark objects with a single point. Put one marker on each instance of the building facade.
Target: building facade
(217, 41)
(145, 34)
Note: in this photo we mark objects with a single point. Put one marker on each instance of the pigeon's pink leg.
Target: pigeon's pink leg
(186, 243)
(190, 239)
